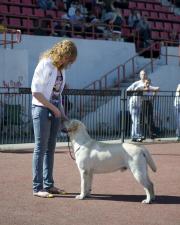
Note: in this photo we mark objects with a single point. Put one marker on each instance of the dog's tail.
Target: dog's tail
(149, 160)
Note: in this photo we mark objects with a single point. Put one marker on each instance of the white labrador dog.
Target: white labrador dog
(94, 157)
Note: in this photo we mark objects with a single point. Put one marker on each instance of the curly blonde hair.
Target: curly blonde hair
(63, 50)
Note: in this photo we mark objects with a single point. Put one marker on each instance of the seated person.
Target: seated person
(117, 20)
(77, 21)
(46, 4)
(133, 18)
(144, 31)
(3, 27)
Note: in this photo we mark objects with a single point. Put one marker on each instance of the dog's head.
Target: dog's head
(73, 126)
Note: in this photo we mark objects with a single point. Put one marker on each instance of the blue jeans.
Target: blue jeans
(45, 132)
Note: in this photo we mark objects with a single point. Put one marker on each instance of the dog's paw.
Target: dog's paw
(146, 201)
(80, 197)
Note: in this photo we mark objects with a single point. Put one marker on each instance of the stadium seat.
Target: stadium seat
(167, 27)
(155, 35)
(27, 11)
(159, 26)
(51, 13)
(27, 23)
(176, 27)
(145, 13)
(164, 35)
(15, 1)
(132, 5)
(126, 12)
(141, 6)
(15, 10)
(154, 15)
(15, 22)
(3, 9)
(39, 13)
(163, 16)
(171, 17)
(26, 2)
(149, 6)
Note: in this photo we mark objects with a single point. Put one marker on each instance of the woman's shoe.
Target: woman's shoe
(55, 190)
(43, 194)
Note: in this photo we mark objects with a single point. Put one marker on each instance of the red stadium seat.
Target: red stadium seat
(141, 6)
(15, 22)
(27, 23)
(3, 9)
(155, 35)
(164, 35)
(14, 10)
(176, 27)
(51, 13)
(39, 12)
(149, 6)
(132, 5)
(126, 12)
(159, 26)
(167, 26)
(26, 2)
(15, 1)
(163, 16)
(145, 13)
(27, 11)
(154, 15)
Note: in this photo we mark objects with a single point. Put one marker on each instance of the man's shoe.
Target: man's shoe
(134, 140)
(139, 140)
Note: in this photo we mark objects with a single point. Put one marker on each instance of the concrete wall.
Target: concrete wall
(95, 57)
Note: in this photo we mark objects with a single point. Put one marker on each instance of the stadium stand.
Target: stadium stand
(26, 15)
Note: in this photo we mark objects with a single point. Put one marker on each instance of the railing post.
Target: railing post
(122, 115)
(166, 53)
(124, 72)
(151, 53)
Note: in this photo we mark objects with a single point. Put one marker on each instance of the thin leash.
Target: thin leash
(69, 147)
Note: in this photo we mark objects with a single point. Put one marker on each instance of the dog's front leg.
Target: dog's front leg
(84, 177)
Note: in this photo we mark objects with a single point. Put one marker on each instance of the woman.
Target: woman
(47, 111)
(177, 111)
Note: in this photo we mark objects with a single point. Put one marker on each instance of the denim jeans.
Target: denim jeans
(135, 117)
(45, 132)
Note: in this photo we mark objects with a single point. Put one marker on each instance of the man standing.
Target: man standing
(135, 107)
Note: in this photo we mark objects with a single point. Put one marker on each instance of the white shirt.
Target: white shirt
(44, 79)
(135, 85)
(177, 98)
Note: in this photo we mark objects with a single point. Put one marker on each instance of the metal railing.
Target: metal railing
(10, 37)
(104, 112)
(129, 69)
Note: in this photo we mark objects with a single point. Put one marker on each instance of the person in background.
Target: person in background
(135, 105)
(46, 4)
(133, 18)
(3, 27)
(149, 92)
(47, 112)
(177, 111)
(144, 30)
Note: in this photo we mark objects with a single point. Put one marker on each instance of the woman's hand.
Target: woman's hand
(56, 112)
